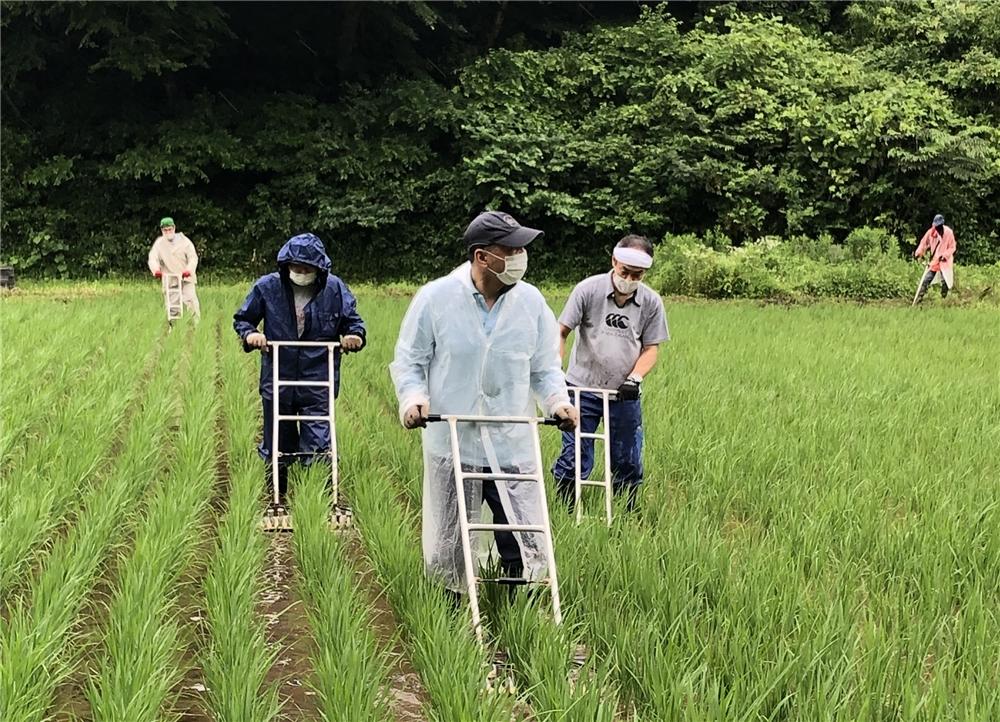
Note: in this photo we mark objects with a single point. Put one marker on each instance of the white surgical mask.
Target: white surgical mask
(623, 285)
(302, 279)
(169, 235)
(514, 267)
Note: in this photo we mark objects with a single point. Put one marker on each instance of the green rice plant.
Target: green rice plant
(776, 548)
(46, 361)
(350, 668)
(236, 659)
(818, 537)
(35, 654)
(141, 638)
(40, 493)
(34, 375)
(452, 665)
(543, 658)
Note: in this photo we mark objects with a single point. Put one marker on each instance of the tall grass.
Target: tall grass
(36, 650)
(141, 640)
(40, 492)
(351, 669)
(236, 659)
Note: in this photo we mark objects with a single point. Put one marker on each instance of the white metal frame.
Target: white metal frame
(471, 577)
(604, 437)
(174, 296)
(277, 417)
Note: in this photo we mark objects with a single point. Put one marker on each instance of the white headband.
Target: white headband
(633, 257)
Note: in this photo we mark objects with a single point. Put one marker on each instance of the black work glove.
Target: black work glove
(629, 391)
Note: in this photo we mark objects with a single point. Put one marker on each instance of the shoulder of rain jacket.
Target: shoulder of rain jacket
(270, 300)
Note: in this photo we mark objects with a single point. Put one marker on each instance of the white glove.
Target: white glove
(567, 415)
(415, 417)
(351, 342)
(257, 340)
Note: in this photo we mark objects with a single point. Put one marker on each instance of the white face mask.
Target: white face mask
(169, 235)
(514, 267)
(623, 285)
(302, 279)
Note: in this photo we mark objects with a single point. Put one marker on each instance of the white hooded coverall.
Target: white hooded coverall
(175, 257)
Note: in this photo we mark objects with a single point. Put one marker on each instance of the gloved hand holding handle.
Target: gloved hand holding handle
(566, 417)
(351, 342)
(416, 417)
(629, 390)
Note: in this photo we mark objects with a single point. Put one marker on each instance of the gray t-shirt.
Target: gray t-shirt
(609, 337)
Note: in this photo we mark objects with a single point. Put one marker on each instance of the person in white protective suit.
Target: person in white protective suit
(174, 253)
(479, 341)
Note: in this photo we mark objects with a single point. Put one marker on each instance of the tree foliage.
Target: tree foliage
(248, 123)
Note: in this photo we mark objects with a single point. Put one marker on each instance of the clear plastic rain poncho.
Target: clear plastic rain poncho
(444, 357)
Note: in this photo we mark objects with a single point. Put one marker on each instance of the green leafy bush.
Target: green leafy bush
(799, 268)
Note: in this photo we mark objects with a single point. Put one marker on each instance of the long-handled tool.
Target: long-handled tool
(278, 517)
(173, 296)
(472, 578)
(927, 266)
(604, 437)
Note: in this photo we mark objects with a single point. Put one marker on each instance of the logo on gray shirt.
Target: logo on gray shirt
(616, 320)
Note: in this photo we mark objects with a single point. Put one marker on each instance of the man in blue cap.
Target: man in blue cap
(481, 341)
(301, 301)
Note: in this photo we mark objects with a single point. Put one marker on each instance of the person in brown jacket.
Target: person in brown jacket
(173, 254)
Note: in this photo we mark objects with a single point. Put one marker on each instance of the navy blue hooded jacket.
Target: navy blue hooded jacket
(330, 314)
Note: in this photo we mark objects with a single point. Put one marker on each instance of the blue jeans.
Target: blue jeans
(626, 447)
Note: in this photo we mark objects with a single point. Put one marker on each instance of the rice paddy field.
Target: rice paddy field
(818, 536)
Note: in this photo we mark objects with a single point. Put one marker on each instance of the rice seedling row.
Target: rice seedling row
(33, 377)
(235, 659)
(142, 640)
(350, 668)
(39, 495)
(52, 365)
(36, 653)
(452, 666)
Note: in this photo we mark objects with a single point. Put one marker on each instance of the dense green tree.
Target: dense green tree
(384, 126)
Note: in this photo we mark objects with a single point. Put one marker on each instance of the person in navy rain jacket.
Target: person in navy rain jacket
(302, 301)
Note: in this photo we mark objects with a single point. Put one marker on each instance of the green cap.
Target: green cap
(168, 221)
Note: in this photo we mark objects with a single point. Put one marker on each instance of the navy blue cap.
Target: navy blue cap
(938, 220)
(494, 227)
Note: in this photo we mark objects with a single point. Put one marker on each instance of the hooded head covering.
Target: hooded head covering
(306, 249)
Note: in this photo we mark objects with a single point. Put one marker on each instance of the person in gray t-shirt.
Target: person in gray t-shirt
(619, 324)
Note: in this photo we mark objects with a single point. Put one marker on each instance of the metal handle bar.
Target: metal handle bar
(316, 344)
(612, 393)
(544, 421)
